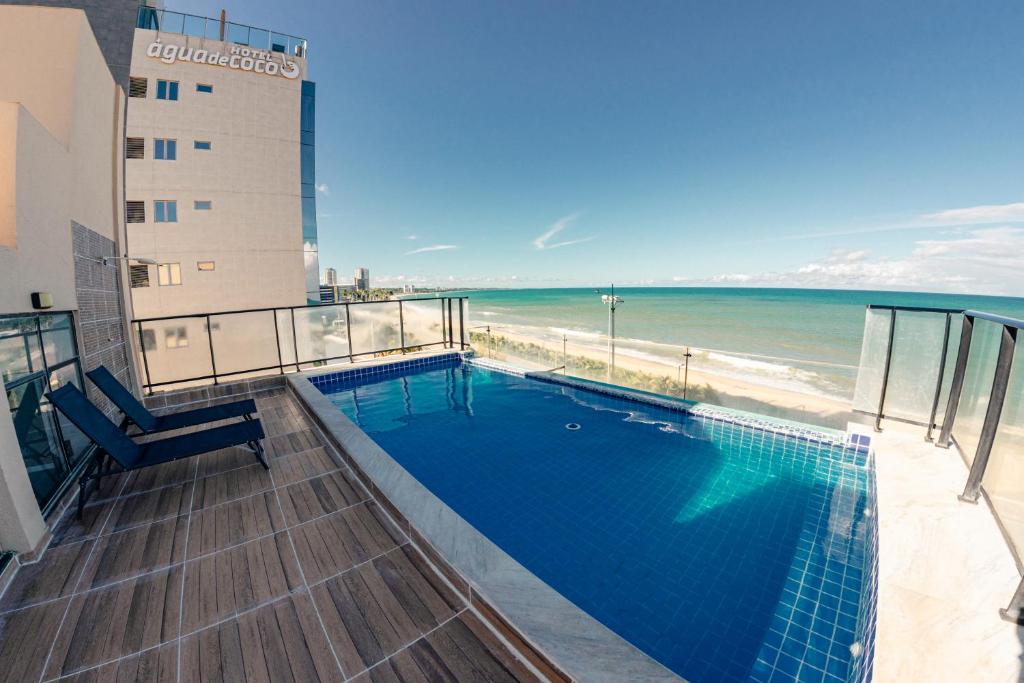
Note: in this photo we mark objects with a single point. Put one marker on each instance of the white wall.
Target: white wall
(251, 174)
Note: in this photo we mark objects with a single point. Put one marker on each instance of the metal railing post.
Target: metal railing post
(885, 372)
(451, 327)
(462, 328)
(277, 338)
(953, 402)
(348, 334)
(1004, 361)
(938, 381)
(213, 360)
(295, 340)
(401, 326)
(444, 336)
(1014, 612)
(145, 361)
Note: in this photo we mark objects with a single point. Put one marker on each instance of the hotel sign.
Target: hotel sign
(240, 58)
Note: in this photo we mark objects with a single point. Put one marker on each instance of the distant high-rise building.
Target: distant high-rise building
(330, 277)
(362, 278)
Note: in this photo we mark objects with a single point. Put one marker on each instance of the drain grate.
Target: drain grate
(572, 426)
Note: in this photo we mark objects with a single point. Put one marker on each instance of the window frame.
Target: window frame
(200, 86)
(168, 88)
(165, 149)
(197, 205)
(165, 210)
(200, 264)
(202, 145)
(170, 269)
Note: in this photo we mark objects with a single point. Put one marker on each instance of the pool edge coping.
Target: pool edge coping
(517, 603)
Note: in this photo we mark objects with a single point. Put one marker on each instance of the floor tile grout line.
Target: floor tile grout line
(358, 565)
(67, 608)
(186, 559)
(405, 647)
(298, 563)
(92, 667)
(184, 573)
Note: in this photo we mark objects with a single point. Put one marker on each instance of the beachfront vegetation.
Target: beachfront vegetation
(503, 348)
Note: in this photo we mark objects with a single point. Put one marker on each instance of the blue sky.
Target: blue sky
(868, 144)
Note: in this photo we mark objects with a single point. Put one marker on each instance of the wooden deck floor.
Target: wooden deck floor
(214, 569)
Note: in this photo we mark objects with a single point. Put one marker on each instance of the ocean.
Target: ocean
(805, 340)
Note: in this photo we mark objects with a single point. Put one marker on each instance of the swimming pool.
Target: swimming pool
(725, 549)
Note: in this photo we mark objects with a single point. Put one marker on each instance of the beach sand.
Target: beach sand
(773, 401)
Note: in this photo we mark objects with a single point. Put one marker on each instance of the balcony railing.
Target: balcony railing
(915, 361)
(215, 29)
(206, 348)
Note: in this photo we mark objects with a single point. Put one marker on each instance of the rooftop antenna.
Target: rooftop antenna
(223, 19)
(611, 301)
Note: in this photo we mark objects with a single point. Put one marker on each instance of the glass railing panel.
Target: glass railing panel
(20, 352)
(422, 323)
(38, 437)
(58, 338)
(171, 22)
(236, 33)
(872, 360)
(75, 442)
(974, 397)
(375, 327)
(1004, 477)
(285, 337)
(259, 38)
(195, 26)
(914, 369)
(321, 333)
(244, 341)
(176, 349)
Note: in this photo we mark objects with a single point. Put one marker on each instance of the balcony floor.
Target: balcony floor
(212, 568)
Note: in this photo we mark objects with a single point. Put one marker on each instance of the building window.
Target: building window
(135, 148)
(202, 144)
(166, 90)
(165, 211)
(137, 87)
(207, 266)
(149, 340)
(139, 276)
(39, 353)
(176, 338)
(169, 274)
(204, 87)
(202, 205)
(135, 212)
(165, 148)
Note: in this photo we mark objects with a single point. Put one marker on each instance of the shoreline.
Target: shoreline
(735, 393)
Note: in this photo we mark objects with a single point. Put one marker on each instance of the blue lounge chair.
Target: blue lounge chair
(149, 423)
(113, 442)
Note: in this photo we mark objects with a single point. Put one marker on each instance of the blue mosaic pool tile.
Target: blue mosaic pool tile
(823, 626)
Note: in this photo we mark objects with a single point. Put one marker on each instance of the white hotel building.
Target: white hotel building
(219, 186)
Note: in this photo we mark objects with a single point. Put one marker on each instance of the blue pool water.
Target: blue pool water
(726, 552)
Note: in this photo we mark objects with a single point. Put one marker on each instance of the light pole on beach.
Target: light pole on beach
(611, 301)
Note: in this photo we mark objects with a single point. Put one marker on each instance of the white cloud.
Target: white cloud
(981, 261)
(411, 237)
(323, 189)
(436, 247)
(558, 226)
(986, 213)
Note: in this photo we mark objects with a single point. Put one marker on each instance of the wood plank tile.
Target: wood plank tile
(149, 507)
(221, 585)
(136, 551)
(232, 485)
(233, 523)
(70, 529)
(282, 641)
(337, 542)
(467, 657)
(167, 474)
(406, 570)
(224, 460)
(369, 617)
(293, 442)
(289, 469)
(495, 648)
(53, 576)
(117, 621)
(25, 639)
(399, 668)
(159, 665)
(313, 498)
